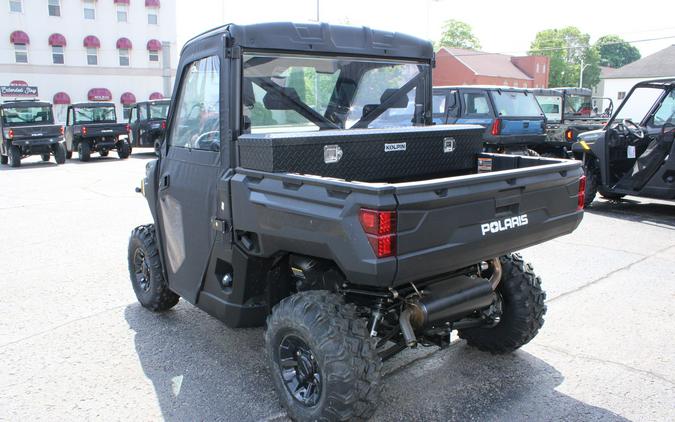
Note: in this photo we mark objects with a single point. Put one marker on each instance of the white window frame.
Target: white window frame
(20, 49)
(54, 4)
(153, 55)
(89, 5)
(88, 51)
(16, 2)
(543, 68)
(56, 52)
(124, 53)
(155, 13)
(122, 8)
(537, 71)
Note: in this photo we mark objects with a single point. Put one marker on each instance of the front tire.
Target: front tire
(523, 310)
(591, 185)
(611, 196)
(60, 153)
(45, 157)
(124, 151)
(3, 159)
(145, 271)
(103, 153)
(84, 151)
(322, 359)
(14, 156)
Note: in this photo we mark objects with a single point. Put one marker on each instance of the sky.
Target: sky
(501, 26)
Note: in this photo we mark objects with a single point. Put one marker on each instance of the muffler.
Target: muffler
(445, 301)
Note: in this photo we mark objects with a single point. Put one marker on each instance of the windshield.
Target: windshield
(521, 104)
(158, 111)
(27, 115)
(551, 105)
(578, 105)
(665, 113)
(636, 106)
(95, 114)
(300, 93)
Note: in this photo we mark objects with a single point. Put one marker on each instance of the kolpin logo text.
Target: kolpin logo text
(505, 224)
(394, 147)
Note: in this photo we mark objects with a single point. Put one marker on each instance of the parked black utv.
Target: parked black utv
(276, 202)
(93, 127)
(634, 154)
(147, 123)
(27, 128)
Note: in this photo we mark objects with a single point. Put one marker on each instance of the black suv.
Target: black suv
(27, 128)
(147, 122)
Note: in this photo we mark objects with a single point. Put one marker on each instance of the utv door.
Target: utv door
(133, 125)
(190, 169)
(475, 108)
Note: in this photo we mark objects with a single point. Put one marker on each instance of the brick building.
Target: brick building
(457, 66)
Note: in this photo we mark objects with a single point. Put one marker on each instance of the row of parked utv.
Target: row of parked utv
(27, 128)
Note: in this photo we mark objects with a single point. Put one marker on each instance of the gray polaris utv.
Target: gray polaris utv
(282, 199)
(634, 154)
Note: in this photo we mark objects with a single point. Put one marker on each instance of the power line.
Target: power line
(481, 53)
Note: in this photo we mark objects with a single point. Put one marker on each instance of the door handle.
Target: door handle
(164, 182)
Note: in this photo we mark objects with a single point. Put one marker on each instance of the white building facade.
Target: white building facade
(120, 51)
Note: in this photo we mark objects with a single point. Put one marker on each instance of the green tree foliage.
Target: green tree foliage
(615, 52)
(458, 34)
(567, 48)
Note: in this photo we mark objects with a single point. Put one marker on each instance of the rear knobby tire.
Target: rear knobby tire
(103, 153)
(3, 159)
(45, 157)
(69, 154)
(145, 271)
(84, 151)
(523, 310)
(124, 150)
(592, 177)
(14, 156)
(339, 345)
(60, 153)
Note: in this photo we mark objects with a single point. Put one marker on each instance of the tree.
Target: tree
(458, 34)
(568, 49)
(615, 52)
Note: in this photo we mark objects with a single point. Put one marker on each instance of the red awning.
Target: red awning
(154, 45)
(127, 98)
(18, 82)
(57, 39)
(19, 37)
(121, 2)
(99, 94)
(156, 96)
(91, 41)
(61, 98)
(151, 3)
(124, 43)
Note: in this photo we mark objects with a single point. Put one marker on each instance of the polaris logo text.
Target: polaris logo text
(394, 147)
(505, 224)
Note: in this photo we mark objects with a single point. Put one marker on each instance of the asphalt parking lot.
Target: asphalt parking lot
(75, 345)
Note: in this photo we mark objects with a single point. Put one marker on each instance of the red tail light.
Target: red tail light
(496, 127)
(84, 130)
(128, 128)
(569, 134)
(163, 124)
(380, 228)
(581, 197)
(61, 129)
(10, 133)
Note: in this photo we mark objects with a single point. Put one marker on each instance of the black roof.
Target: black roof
(658, 83)
(162, 101)
(321, 38)
(563, 90)
(25, 103)
(97, 104)
(484, 87)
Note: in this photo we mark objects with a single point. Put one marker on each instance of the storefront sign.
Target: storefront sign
(18, 91)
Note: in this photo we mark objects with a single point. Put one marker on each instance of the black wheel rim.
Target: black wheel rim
(141, 270)
(300, 370)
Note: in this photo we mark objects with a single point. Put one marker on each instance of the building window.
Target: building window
(92, 56)
(537, 68)
(15, 6)
(152, 17)
(621, 95)
(124, 56)
(121, 13)
(153, 56)
(57, 54)
(543, 68)
(89, 9)
(54, 7)
(21, 53)
(126, 111)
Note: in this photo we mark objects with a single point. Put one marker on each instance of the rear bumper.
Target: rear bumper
(36, 142)
(516, 139)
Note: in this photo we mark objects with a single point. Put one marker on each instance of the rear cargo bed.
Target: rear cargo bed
(444, 224)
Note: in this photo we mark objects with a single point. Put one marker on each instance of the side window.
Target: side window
(197, 121)
(453, 104)
(143, 112)
(134, 114)
(476, 104)
(439, 104)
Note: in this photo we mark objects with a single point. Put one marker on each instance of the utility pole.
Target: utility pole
(317, 11)
(581, 73)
